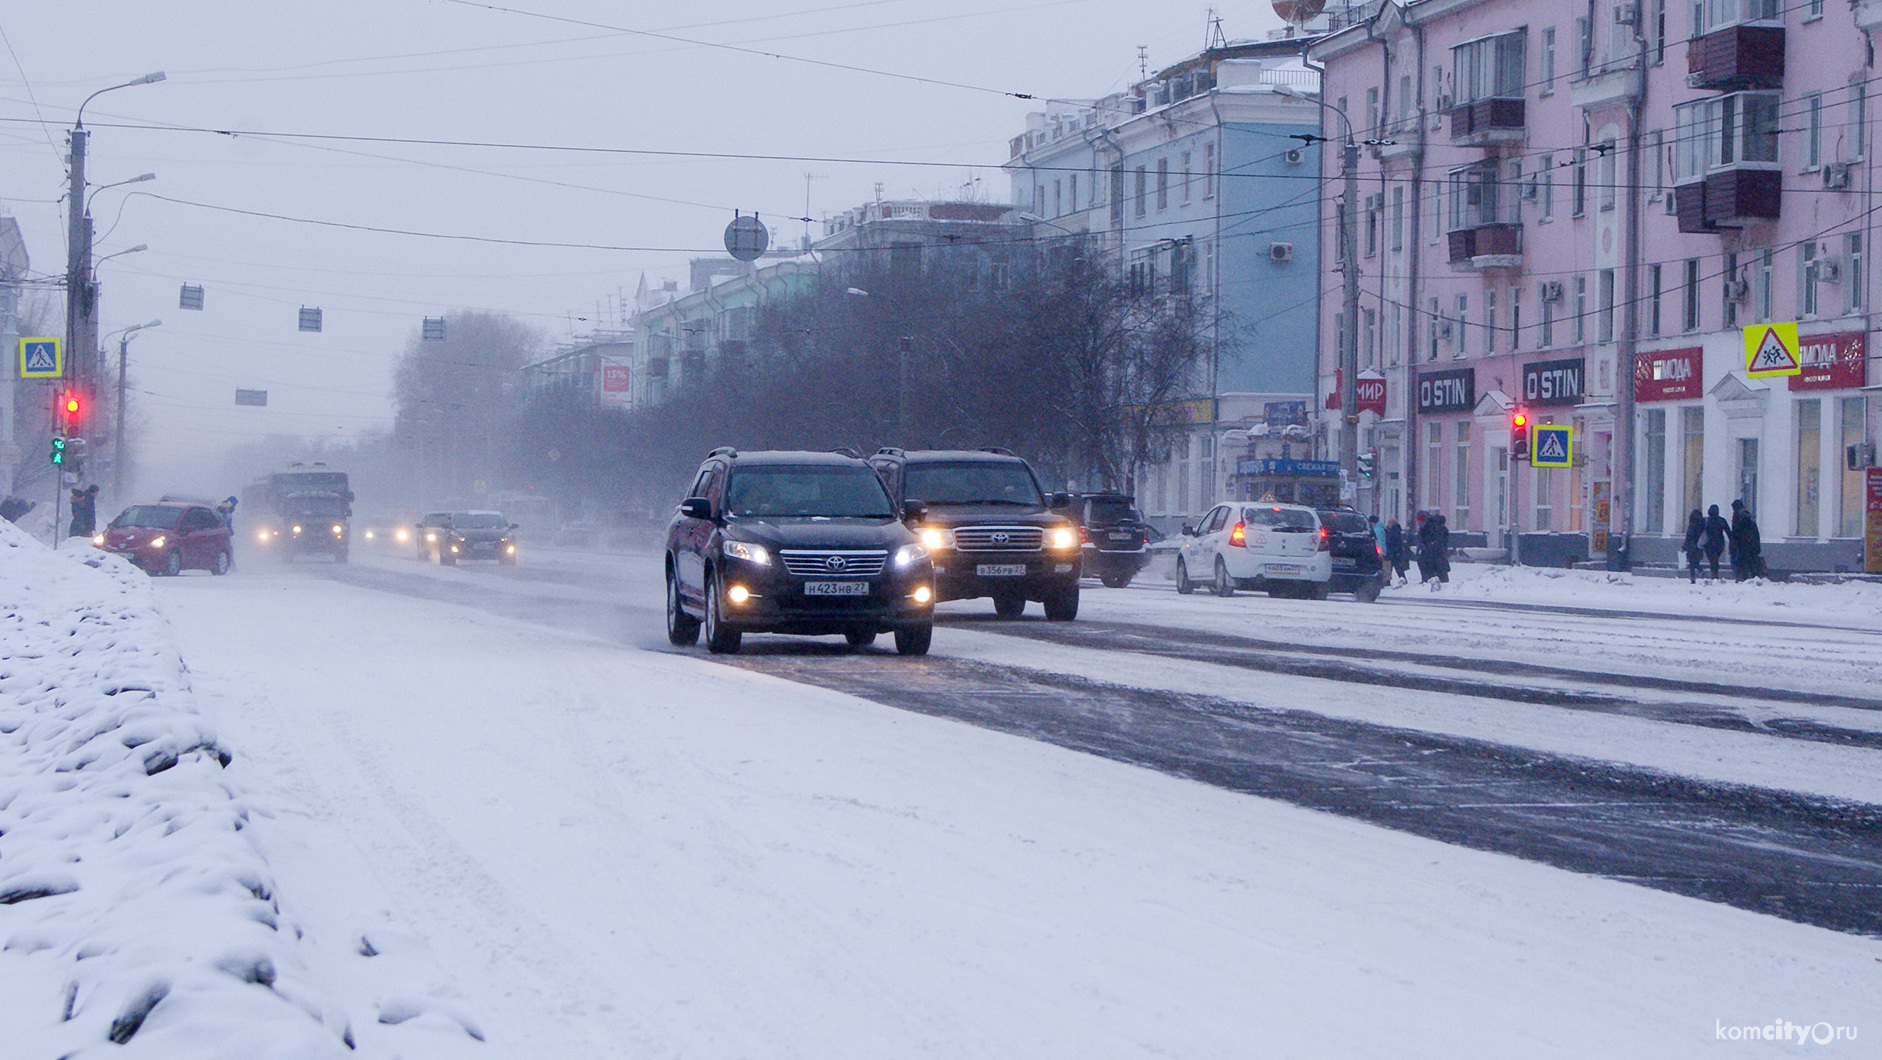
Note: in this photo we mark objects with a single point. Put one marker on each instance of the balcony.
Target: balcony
(1487, 246)
(1486, 122)
(1729, 198)
(1736, 57)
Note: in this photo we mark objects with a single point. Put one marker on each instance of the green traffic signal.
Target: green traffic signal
(58, 450)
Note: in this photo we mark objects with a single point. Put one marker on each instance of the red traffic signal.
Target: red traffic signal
(1519, 435)
(71, 404)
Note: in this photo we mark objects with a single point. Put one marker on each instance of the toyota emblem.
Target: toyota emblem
(836, 564)
(1002, 538)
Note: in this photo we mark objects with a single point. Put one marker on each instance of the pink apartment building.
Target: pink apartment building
(1574, 209)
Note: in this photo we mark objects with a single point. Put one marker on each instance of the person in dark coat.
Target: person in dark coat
(1747, 545)
(85, 512)
(1717, 531)
(1694, 545)
(1434, 543)
(13, 509)
(1395, 551)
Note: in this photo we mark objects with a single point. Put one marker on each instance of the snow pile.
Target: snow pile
(133, 907)
(1726, 597)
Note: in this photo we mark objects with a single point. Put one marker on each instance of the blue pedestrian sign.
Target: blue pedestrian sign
(1552, 445)
(41, 359)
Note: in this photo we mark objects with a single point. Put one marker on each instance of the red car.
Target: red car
(170, 538)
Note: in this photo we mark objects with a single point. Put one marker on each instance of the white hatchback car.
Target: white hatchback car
(1282, 548)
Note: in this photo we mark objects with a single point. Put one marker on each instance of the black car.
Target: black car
(793, 542)
(1358, 563)
(453, 537)
(990, 528)
(1112, 536)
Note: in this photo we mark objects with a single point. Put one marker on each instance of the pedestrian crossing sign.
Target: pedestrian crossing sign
(41, 359)
(1552, 445)
(1771, 349)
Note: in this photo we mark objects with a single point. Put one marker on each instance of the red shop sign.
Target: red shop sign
(1669, 375)
(1832, 362)
(1370, 390)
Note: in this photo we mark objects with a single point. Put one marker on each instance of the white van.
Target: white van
(1282, 548)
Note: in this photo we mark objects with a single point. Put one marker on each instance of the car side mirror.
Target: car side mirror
(1188, 530)
(696, 508)
(516, 526)
(914, 511)
(1059, 500)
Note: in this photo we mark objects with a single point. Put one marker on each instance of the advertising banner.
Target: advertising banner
(1449, 391)
(1669, 375)
(1555, 382)
(1370, 390)
(1872, 532)
(1831, 362)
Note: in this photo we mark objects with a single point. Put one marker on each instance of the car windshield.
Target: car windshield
(312, 504)
(478, 521)
(1102, 511)
(1281, 518)
(148, 517)
(991, 482)
(1346, 522)
(807, 491)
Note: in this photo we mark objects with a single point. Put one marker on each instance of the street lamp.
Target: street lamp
(901, 380)
(117, 440)
(139, 179)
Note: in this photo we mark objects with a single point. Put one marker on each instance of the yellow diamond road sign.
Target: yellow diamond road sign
(1771, 349)
(40, 359)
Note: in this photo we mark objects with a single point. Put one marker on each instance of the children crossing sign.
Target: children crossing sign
(1552, 445)
(1771, 349)
(40, 359)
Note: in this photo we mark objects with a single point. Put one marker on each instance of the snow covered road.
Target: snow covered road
(593, 846)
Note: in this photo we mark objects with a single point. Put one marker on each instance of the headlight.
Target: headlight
(157, 542)
(431, 537)
(935, 538)
(402, 536)
(98, 540)
(512, 550)
(747, 551)
(1063, 537)
(909, 555)
(297, 529)
(923, 595)
(261, 535)
(338, 529)
(738, 594)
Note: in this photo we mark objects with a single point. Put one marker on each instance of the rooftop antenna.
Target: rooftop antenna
(808, 177)
(1143, 62)
(1214, 38)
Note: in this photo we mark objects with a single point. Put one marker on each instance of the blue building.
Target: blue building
(1196, 177)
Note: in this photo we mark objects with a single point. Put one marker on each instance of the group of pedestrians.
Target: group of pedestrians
(1430, 544)
(1709, 535)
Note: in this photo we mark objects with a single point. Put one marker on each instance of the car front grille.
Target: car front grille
(830, 563)
(999, 539)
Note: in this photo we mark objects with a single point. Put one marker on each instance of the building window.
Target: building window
(1208, 171)
(1183, 178)
(1516, 319)
(1460, 507)
(1546, 329)
(1117, 196)
(1398, 218)
(1433, 213)
(1608, 178)
(1728, 291)
(1479, 197)
(1655, 521)
(1692, 419)
(1489, 68)
(1853, 278)
(1767, 288)
(1581, 182)
(1393, 336)
(1733, 131)
(1604, 320)
(1581, 310)
(1143, 190)
(1858, 122)
(1545, 194)
(1657, 30)
(1813, 131)
(1373, 115)
(1369, 336)
(1544, 486)
(1058, 200)
(1039, 200)
(1653, 299)
(1584, 45)
(1431, 331)
(1071, 191)
(1690, 318)
(1814, 9)
(1489, 322)
(1548, 61)
(1809, 465)
(1373, 205)
(1434, 460)
(1807, 280)
(1163, 184)
(1463, 325)
(1719, 14)
(1851, 415)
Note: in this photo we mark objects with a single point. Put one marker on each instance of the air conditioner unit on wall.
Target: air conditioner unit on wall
(1552, 291)
(1836, 176)
(1280, 253)
(1737, 290)
(1623, 14)
(1294, 156)
(1829, 270)
(1859, 456)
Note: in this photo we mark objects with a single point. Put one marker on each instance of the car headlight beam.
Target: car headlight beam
(1063, 537)
(935, 538)
(159, 541)
(909, 555)
(746, 551)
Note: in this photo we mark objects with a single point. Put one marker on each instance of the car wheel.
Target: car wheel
(1224, 585)
(1316, 591)
(173, 563)
(860, 638)
(914, 640)
(1183, 584)
(1116, 581)
(682, 628)
(720, 638)
(340, 556)
(1062, 606)
(1009, 605)
(223, 562)
(1368, 593)
(447, 558)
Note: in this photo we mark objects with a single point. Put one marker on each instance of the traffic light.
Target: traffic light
(71, 409)
(1519, 435)
(58, 450)
(1366, 458)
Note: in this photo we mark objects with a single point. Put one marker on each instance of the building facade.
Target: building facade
(1576, 211)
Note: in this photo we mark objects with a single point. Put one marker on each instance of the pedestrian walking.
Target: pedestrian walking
(1747, 545)
(1434, 542)
(1396, 552)
(1443, 537)
(84, 512)
(1694, 545)
(1378, 531)
(1717, 532)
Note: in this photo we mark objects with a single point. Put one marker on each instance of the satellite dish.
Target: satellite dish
(746, 238)
(1298, 11)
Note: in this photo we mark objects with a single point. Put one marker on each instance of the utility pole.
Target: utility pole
(1349, 335)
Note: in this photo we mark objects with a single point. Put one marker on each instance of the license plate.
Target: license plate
(1001, 570)
(836, 588)
(1283, 568)
(1124, 537)
(1345, 561)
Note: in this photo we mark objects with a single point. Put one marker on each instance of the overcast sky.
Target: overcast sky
(303, 85)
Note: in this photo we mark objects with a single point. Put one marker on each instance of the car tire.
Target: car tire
(340, 556)
(860, 638)
(721, 639)
(1368, 593)
(1009, 605)
(682, 628)
(173, 563)
(1062, 606)
(914, 640)
(1316, 591)
(1116, 581)
(224, 560)
(1223, 584)
(1183, 584)
(447, 558)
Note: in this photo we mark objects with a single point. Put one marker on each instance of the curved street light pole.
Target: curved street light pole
(118, 480)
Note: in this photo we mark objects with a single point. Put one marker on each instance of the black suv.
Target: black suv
(784, 542)
(1112, 535)
(1358, 564)
(991, 530)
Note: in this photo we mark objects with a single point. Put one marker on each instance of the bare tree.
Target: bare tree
(455, 398)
